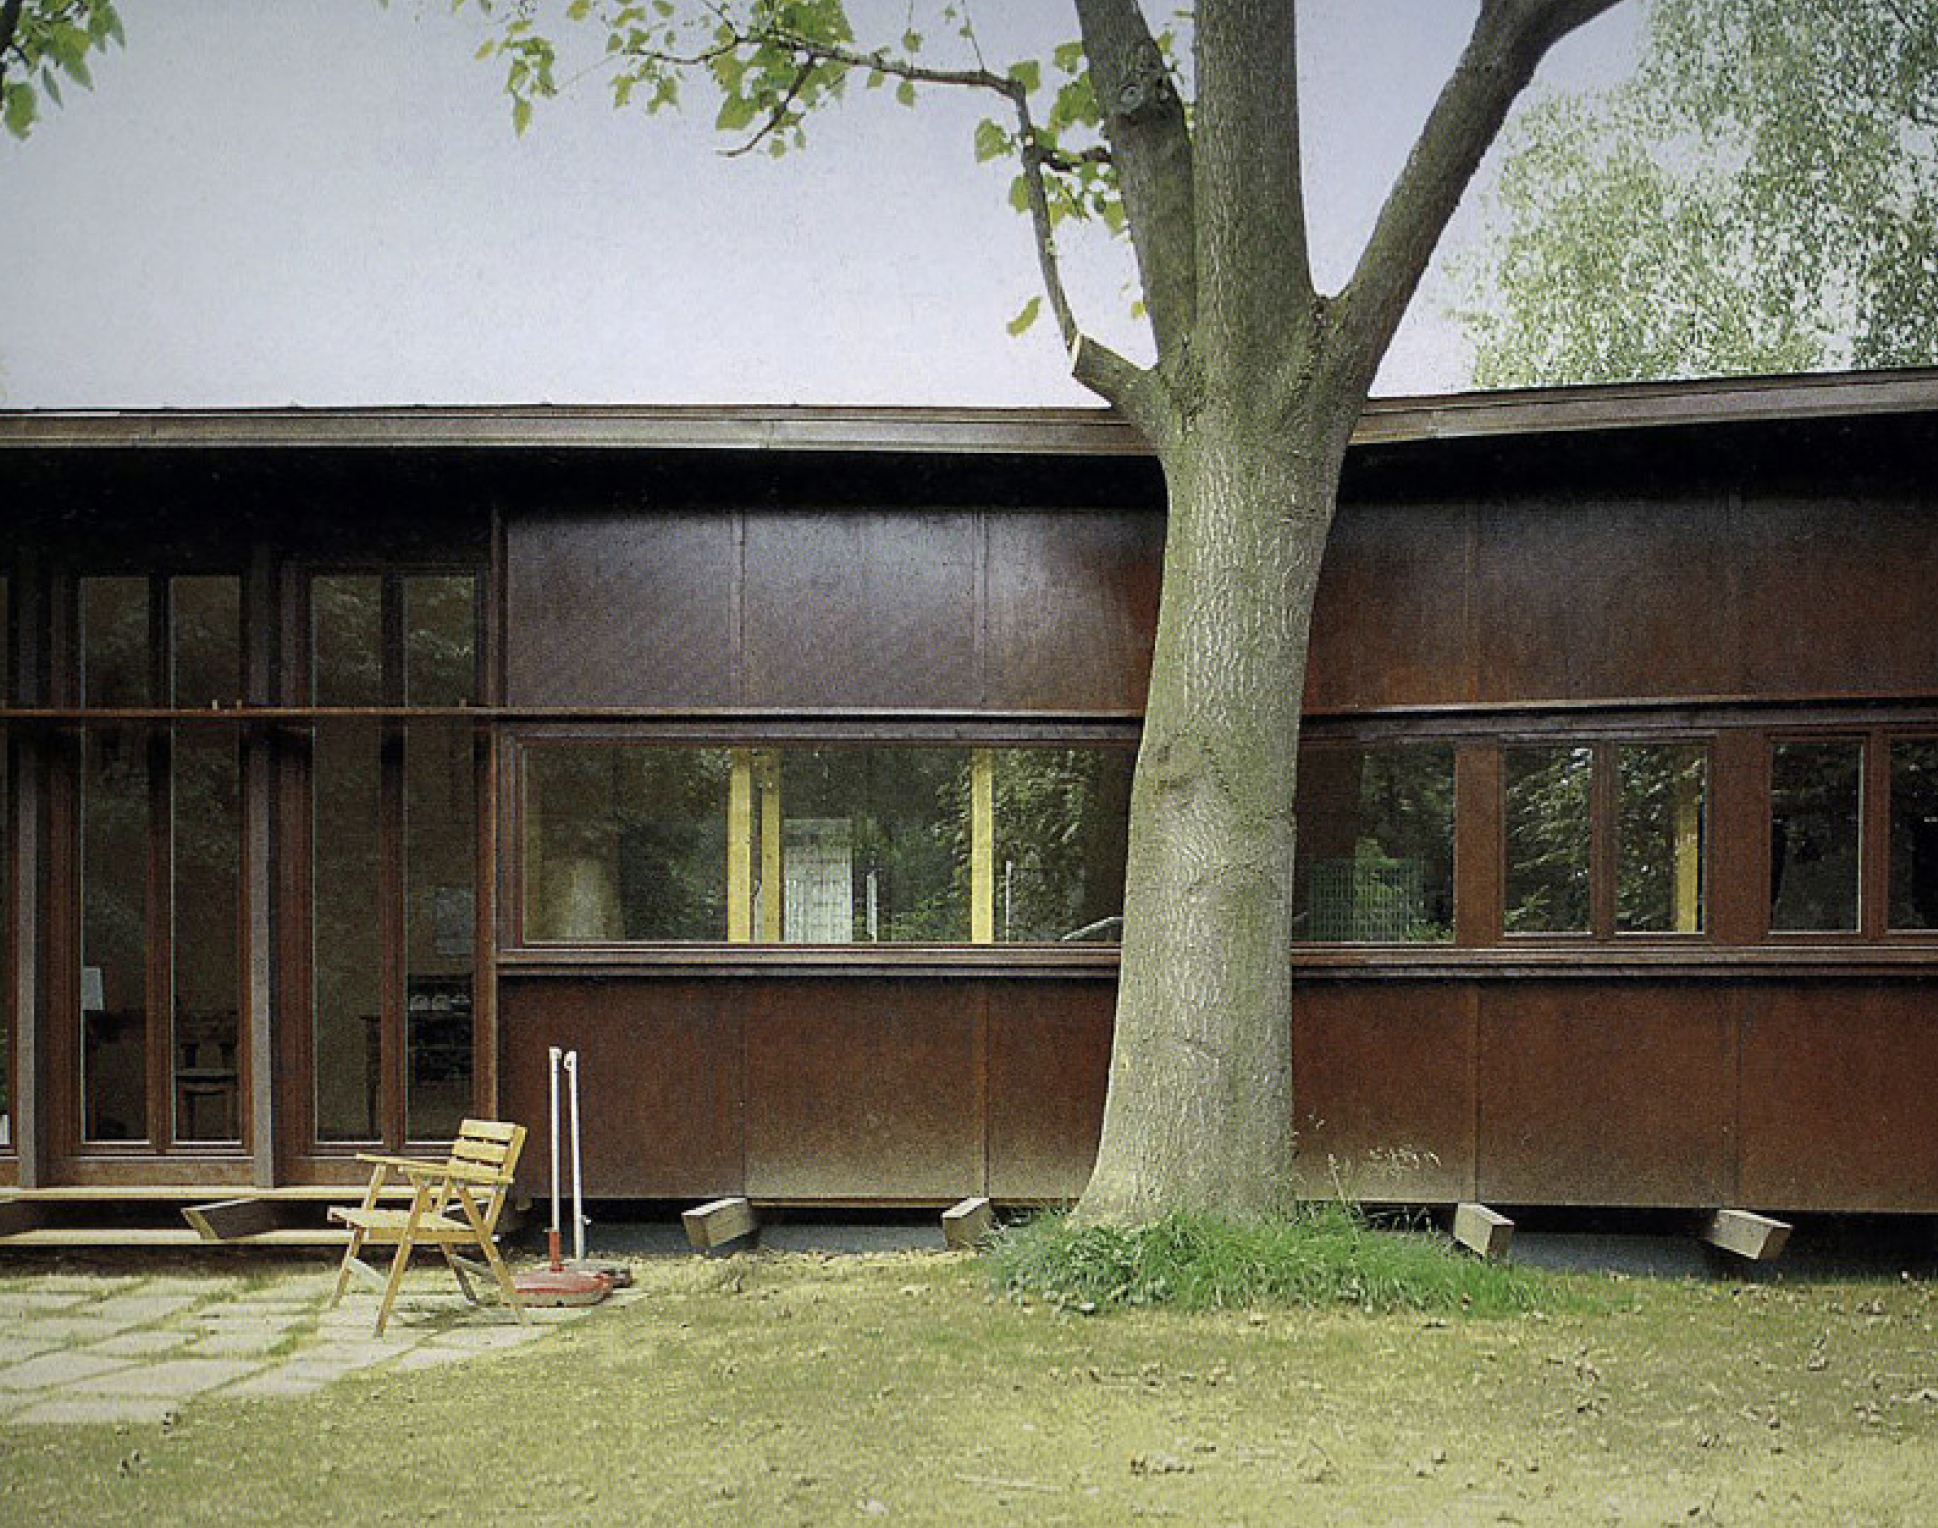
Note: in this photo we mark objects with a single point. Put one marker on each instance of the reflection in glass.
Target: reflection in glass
(440, 827)
(114, 642)
(207, 667)
(346, 932)
(625, 843)
(1375, 846)
(1061, 818)
(1914, 834)
(1815, 798)
(1661, 822)
(346, 633)
(440, 639)
(114, 935)
(207, 841)
(1548, 837)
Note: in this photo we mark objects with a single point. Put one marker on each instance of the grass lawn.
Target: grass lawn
(794, 1389)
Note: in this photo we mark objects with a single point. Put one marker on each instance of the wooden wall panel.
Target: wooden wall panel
(1383, 1089)
(1837, 1098)
(1836, 595)
(1389, 624)
(864, 1090)
(1591, 600)
(1072, 609)
(861, 609)
(1618, 1094)
(660, 1081)
(1049, 1065)
(620, 609)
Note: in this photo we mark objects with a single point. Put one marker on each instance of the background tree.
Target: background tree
(43, 42)
(1761, 195)
(1258, 380)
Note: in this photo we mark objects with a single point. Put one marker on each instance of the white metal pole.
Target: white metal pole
(578, 1198)
(554, 1063)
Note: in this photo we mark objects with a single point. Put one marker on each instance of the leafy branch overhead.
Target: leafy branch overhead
(42, 44)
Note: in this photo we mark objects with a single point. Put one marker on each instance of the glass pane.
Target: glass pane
(1661, 824)
(875, 845)
(1815, 801)
(208, 640)
(625, 843)
(6, 922)
(1061, 818)
(440, 639)
(347, 950)
(114, 642)
(1914, 834)
(347, 628)
(440, 901)
(1375, 847)
(114, 935)
(207, 843)
(1548, 833)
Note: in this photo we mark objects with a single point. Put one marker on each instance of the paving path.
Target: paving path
(138, 1348)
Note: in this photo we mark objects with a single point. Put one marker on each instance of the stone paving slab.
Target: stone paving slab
(34, 1302)
(18, 1347)
(141, 1344)
(71, 1410)
(58, 1368)
(142, 1308)
(174, 1378)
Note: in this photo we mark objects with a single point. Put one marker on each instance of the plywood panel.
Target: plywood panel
(620, 608)
(1837, 1098)
(1072, 603)
(1616, 1094)
(660, 1081)
(1389, 623)
(1596, 599)
(1383, 1089)
(861, 609)
(1049, 1064)
(863, 1090)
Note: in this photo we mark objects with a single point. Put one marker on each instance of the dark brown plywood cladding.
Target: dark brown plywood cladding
(1383, 1089)
(1072, 609)
(1620, 1094)
(660, 1079)
(863, 1089)
(1837, 1097)
(607, 609)
(1049, 1064)
(861, 609)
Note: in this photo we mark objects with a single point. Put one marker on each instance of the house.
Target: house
(777, 760)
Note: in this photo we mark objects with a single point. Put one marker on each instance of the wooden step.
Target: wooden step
(164, 1236)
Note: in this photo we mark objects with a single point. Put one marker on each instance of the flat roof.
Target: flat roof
(953, 431)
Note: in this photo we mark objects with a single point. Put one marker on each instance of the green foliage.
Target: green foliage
(1762, 196)
(1321, 1255)
(51, 43)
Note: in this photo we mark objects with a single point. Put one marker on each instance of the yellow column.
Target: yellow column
(1688, 807)
(982, 847)
(740, 847)
(767, 777)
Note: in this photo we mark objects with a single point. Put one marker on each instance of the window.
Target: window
(1375, 848)
(1816, 801)
(1549, 834)
(627, 842)
(1660, 831)
(1914, 833)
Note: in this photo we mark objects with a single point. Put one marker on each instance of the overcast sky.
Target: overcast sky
(323, 202)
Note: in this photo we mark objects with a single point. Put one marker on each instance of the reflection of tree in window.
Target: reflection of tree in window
(1061, 816)
(1375, 850)
(1814, 811)
(1660, 826)
(1548, 837)
(1914, 834)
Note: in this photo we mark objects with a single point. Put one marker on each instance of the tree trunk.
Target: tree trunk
(1199, 1113)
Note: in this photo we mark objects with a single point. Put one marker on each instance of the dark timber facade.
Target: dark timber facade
(777, 760)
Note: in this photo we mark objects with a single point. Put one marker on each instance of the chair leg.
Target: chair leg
(394, 1283)
(456, 1266)
(503, 1275)
(350, 1255)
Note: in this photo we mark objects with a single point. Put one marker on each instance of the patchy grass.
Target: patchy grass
(792, 1389)
(1320, 1256)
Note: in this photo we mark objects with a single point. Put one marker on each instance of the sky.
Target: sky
(323, 202)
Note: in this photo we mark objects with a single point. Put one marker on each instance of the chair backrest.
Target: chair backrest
(488, 1145)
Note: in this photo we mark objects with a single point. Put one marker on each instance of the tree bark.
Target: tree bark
(1199, 1114)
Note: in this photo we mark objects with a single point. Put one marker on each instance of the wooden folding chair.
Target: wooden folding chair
(454, 1204)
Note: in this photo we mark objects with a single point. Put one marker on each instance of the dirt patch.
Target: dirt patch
(797, 1389)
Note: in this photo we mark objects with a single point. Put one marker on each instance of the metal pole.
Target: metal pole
(578, 1199)
(552, 1236)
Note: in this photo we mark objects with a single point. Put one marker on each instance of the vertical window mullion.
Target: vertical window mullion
(1873, 861)
(1601, 842)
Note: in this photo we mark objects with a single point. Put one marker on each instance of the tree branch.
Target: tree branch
(9, 28)
(1509, 40)
(1150, 143)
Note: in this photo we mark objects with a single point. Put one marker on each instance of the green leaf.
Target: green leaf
(991, 141)
(1019, 325)
(905, 92)
(1019, 194)
(736, 113)
(521, 115)
(1028, 73)
(578, 10)
(17, 107)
